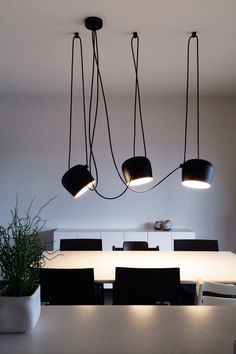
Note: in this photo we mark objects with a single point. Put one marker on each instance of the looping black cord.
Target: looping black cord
(91, 136)
(137, 96)
(194, 35)
(76, 36)
(84, 105)
(159, 182)
(71, 98)
(91, 129)
(99, 84)
(198, 99)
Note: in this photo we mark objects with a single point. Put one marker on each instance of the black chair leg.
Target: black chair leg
(99, 294)
(188, 293)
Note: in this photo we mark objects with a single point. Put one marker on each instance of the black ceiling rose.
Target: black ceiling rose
(93, 23)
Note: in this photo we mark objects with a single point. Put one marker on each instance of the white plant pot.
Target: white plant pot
(19, 314)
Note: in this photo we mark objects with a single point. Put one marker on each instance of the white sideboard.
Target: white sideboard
(116, 237)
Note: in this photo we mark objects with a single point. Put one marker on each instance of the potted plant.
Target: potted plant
(21, 256)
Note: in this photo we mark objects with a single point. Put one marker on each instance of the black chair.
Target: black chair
(85, 244)
(189, 290)
(81, 244)
(114, 248)
(135, 246)
(196, 245)
(147, 286)
(67, 286)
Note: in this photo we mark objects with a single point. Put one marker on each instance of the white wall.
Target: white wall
(33, 158)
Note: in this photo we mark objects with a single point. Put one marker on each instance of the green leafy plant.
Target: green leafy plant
(21, 252)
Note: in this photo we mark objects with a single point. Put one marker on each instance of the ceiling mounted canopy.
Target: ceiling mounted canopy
(136, 170)
(93, 23)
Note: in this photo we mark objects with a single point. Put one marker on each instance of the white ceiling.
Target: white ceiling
(35, 44)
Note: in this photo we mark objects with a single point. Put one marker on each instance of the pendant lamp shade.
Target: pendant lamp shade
(77, 180)
(137, 170)
(197, 173)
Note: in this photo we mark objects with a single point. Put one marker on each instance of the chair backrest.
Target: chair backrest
(147, 286)
(153, 248)
(135, 245)
(81, 244)
(196, 245)
(67, 286)
(210, 293)
(114, 248)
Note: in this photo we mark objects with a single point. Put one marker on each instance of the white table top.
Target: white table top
(209, 266)
(127, 330)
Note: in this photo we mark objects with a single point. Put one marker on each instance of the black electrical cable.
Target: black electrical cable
(159, 182)
(71, 97)
(76, 36)
(198, 123)
(106, 111)
(83, 95)
(99, 83)
(137, 94)
(91, 135)
(108, 125)
(194, 35)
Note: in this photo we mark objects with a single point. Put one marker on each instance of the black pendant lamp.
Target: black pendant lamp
(78, 179)
(137, 170)
(196, 173)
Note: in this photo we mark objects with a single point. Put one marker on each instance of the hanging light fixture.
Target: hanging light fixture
(137, 170)
(196, 173)
(78, 179)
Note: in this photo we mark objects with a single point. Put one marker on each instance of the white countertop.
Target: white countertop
(127, 330)
(126, 229)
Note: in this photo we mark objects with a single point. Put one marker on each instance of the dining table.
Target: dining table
(194, 265)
